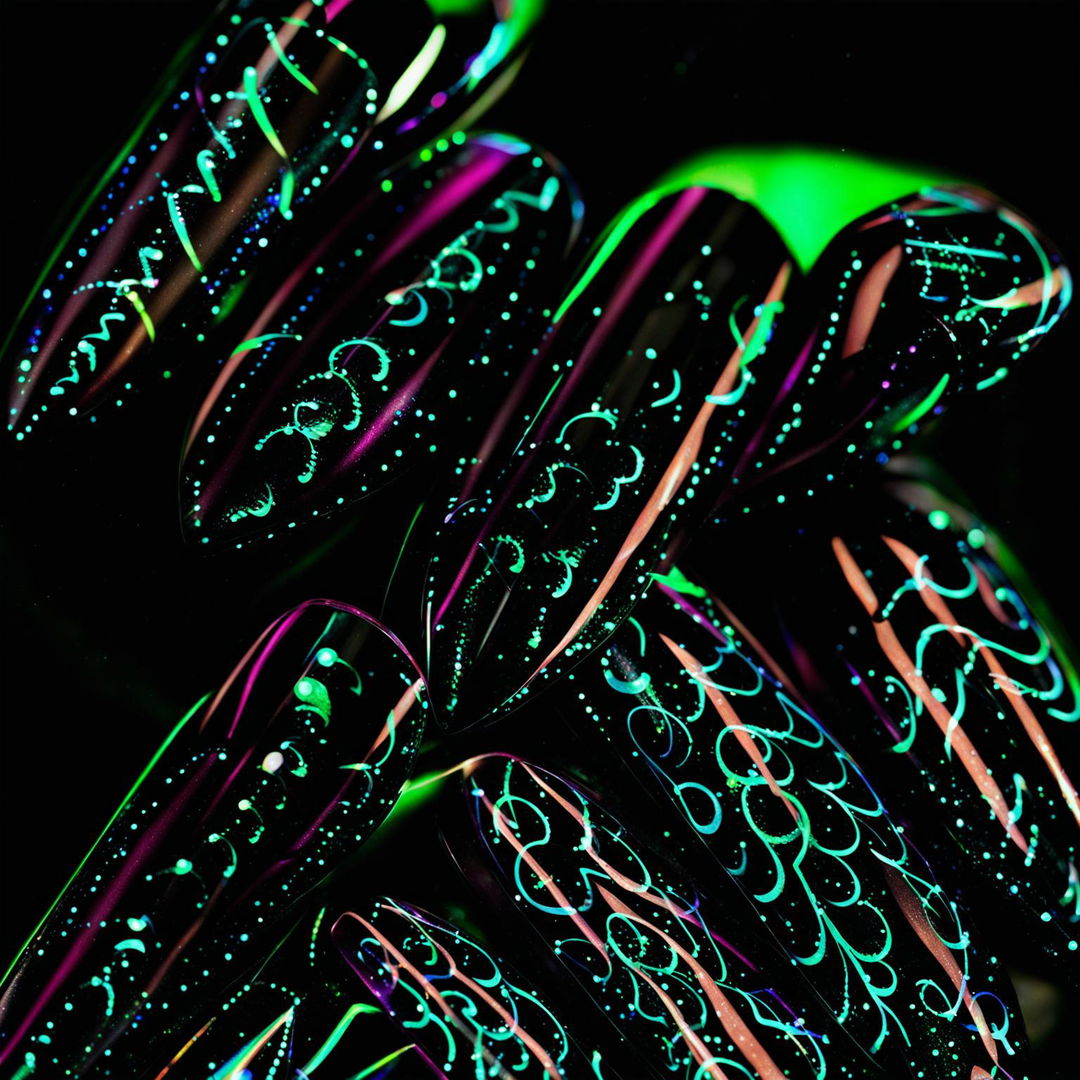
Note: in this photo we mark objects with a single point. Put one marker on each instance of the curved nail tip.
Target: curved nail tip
(980, 719)
(624, 434)
(702, 715)
(391, 342)
(261, 125)
(256, 796)
(459, 1001)
(580, 877)
(938, 294)
(628, 932)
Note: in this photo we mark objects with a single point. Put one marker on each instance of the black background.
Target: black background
(113, 627)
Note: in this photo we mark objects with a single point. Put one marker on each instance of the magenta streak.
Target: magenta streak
(396, 404)
(484, 166)
(305, 838)
(335, 8)
(479, 171)
(789, 382)
(285, 623)
(622, 295)
(143, 851)
(696, 613)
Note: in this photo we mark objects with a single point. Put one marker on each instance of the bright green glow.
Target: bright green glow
(939, 519)
(335, 1036)
(289, 66)
(414, 74)
(258, 110)
(808, 195)
(991, 379)
(439, 8)
(675, 579)
(371, 1069)
(506, 36)
(923, 407)
(123, 804)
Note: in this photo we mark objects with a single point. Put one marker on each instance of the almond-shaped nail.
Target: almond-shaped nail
(935, 294)
(390, 346)
(251, 134)
(469, 1013)
(961, 694)
(628, 429)
(689, 983)
(257, 795)
(699, 711)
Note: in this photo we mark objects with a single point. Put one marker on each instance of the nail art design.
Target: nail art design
(469, 1013)
(697, 710)
(295, 1015)
(970, 698)
(260, 125)
(626, 431)
(255, 797)
(689, 983)
(397, 337)
(936, 294)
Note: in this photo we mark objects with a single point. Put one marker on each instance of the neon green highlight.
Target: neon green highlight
(258, 110)
(374, 1068)
(335, 1036)
(123, 805)
(415, 73)
(807, 194)
(289, 66)
(923, 407)
(676, 580)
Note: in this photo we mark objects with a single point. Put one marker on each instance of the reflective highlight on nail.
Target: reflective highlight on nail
(626, 429)
(256, 127)
(395, 338)
(690, 985)
(256, 795)
(939, 293)
(697, 710)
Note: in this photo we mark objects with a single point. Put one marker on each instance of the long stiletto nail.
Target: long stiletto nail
(295, 1012)
(627, 431)
(712, 722)
(688, 982)
(259, 128)
(971, 700)
(390, 345)
(468, 1011)
(936, 294)
(255, 797)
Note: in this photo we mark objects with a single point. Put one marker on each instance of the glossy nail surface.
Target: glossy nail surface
(255, 797)
(699, 712)
(389, 346)
(627, 431)
(258, 123)
(469, 1013)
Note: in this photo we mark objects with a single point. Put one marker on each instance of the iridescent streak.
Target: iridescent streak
(732, 1023)
(898, 657)
(186, 1047)
(677, 471)
(694, 669)
(335, 1036)
(936, 604)
(909, 904)
(500, 1010)
(236, 1069)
